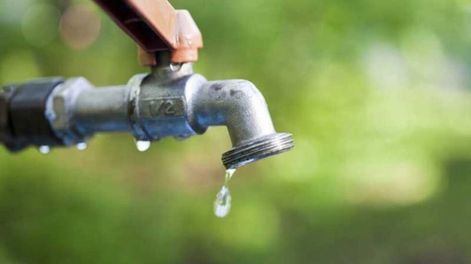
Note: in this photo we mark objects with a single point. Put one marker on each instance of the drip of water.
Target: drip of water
(143, 145)
(44, 149)
(222, 204)
(82, 146)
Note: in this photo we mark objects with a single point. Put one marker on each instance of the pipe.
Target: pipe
(94, 113)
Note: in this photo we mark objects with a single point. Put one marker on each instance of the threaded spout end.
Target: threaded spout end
(257, 149)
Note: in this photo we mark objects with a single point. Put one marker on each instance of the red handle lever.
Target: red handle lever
(156, 26)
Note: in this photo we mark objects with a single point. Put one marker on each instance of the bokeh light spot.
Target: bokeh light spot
(80, 27)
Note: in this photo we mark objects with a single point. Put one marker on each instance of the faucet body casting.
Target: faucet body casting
(171, 101)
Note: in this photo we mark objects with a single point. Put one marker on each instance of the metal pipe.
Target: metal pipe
(102, 110)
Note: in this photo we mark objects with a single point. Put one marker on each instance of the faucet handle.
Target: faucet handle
(156, 26)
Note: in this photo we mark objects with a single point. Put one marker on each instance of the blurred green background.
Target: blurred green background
(378, 97)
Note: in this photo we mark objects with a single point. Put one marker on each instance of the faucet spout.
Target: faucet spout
(236, 104)
(239, 105)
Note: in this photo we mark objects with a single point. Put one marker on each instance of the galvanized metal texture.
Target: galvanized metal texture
(172, 101)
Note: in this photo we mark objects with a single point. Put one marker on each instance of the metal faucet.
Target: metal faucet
(170, 101)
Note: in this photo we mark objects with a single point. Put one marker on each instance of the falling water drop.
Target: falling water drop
(222, 204)
(44, 149)
(143, 145)
(82, 146)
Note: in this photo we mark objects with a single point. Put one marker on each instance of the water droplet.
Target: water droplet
(222, 204)
(44, 149)
(143, 145)
(82, 146)
(175, 66)
(228, 176)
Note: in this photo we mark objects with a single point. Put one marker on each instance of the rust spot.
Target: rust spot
(234, 92)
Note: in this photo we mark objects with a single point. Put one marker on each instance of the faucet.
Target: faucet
(170, 101)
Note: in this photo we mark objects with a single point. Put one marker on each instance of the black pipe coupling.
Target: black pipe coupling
(23, 120)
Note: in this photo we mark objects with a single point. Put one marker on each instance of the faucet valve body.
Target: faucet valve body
(166, 103)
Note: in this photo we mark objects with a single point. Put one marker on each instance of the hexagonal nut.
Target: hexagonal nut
(63, 99)
(62, 108)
